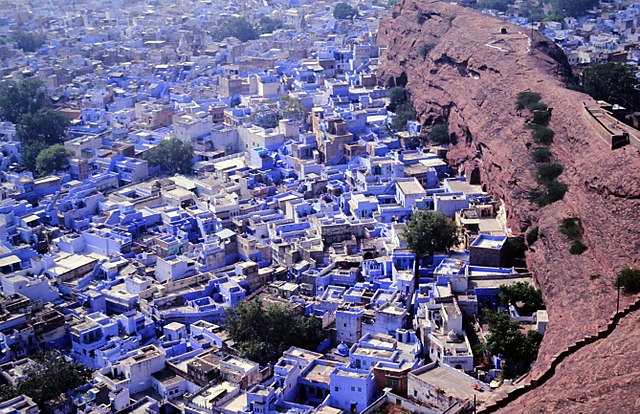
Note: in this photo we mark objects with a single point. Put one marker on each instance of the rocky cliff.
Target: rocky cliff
(474, 68)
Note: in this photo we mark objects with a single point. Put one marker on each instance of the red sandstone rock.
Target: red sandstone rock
(472, 77)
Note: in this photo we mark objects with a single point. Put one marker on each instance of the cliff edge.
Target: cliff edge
(474, 68)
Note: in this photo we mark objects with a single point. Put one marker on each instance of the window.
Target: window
(336, 389)
(359, 389)
(415, 393)
(353, 388)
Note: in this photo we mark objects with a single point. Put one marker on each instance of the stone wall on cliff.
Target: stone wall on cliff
(474, 68)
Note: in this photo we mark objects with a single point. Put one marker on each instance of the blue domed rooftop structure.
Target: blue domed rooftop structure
(343, 349)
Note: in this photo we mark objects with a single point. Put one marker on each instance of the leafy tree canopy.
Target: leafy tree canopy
(526, 298)
(19, 98)
(28, 42)
(574, 8)
(53, 377)
(171, 155)
(611, 82)
(38, 131)
(629, 280)
(439, 134)
(428, 232)
(263, 333)
(500, 5)
(55, 158)
(506, 339)
(291, 108)
(344, 11)
(238, 27)
(268, 24)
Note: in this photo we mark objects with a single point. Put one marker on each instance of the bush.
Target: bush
(572, 228)
(541, 154)
(542, 134)
(555, 191)
(542, 116)
(425, 49)
(577, 247)
(532, 235)
(528, 100)
(629, 280)
(548, 172)
(439, 134)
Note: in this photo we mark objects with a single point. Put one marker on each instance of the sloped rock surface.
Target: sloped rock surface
(471, 76)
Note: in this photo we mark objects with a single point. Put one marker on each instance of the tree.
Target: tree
(37, 131)
(396, 97)
(574, 8)
(500, 5)
(238, 27)
(263, 333)
(526, 298)
(54, 376)
(629, 280)
(428, 232)
(28, 42)
(291, 108)
(171, 155)
(17, 99)
(269, 25)
(439, 134)
(405, 112)
(344, 11)
(55, 158)
(506, 339)
(611, 82)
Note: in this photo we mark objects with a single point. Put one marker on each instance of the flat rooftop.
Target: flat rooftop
(453, 384)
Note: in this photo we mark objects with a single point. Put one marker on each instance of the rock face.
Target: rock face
(474, 68)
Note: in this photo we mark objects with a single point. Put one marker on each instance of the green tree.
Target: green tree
(506, 339)
(574, 8)
(263, 333)
(19, 98)
(55, 158)
(28, 42)
(629, 280)
(38, 131)
(428, 232)
(53, 377)
(344, 11)
(611, 82)
(172, 156)
(238, 27)
(291, 108)
(396, 98)
(500, 5)
(268, 24)
(526, 298)
(548, 172)
(541, 154)
(405, 112)
(439, 134)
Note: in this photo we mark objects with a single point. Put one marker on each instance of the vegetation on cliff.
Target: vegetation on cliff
(400, 104)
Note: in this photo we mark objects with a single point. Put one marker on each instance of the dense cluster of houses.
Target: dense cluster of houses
(131, 272)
